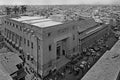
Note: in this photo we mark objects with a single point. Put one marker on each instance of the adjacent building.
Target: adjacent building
(11, 66)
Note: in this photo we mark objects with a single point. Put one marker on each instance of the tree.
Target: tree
(23, 9)
(16, 9)
(8, 10)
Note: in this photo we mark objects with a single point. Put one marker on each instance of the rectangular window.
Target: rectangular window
(16, 26)
(13, 25)
(28, 43)
(49, 47)
(39, 47)
(24, 41)
(28, 57)
(16, 37)
(58, 52)
(20, 40)
(10, 23)
(73, 49)
(20, 28)
(32, 45)
(7, 22)
(49, 34)
(73, 37)
(12, 36)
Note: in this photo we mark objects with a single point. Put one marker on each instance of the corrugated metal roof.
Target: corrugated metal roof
(85, 24)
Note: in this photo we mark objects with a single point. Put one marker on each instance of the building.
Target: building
(11, 66)
(45, 44)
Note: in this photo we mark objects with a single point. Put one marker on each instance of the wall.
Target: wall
(57, 33)
(89, 40)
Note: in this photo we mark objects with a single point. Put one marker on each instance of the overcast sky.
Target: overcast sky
(55, 2)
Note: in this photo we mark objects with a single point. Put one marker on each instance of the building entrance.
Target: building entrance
(58, 51)
(61, 48)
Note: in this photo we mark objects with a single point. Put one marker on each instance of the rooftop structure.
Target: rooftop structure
(37, 21)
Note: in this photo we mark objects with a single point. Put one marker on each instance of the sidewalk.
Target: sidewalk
(107, 67)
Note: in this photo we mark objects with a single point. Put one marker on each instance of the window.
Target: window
(5, 21)
(73, 37)
(73, 49)
(20, 40)
(49, 34)
(32, 45)
(20, 28)
(28, 57)
(73, 27)
(10, 23)
(28, 43)
(24, 41)
(58, 52)
(39, 47)
(49, 47)
(16, 26)
(13, 25)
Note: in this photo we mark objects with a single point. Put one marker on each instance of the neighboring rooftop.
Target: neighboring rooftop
(37, 21)
(107, 67)
(9, 61)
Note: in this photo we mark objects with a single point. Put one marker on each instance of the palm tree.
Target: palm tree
(8, 10)
(23, 9)
(16, 9)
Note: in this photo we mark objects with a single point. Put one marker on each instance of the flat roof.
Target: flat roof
(37, 21)
(9, 61)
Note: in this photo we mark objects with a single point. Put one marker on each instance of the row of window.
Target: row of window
(14, 37)
(13, 25)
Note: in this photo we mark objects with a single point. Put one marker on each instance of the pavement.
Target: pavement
(107, 67)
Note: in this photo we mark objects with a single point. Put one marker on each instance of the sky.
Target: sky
(56, 2)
